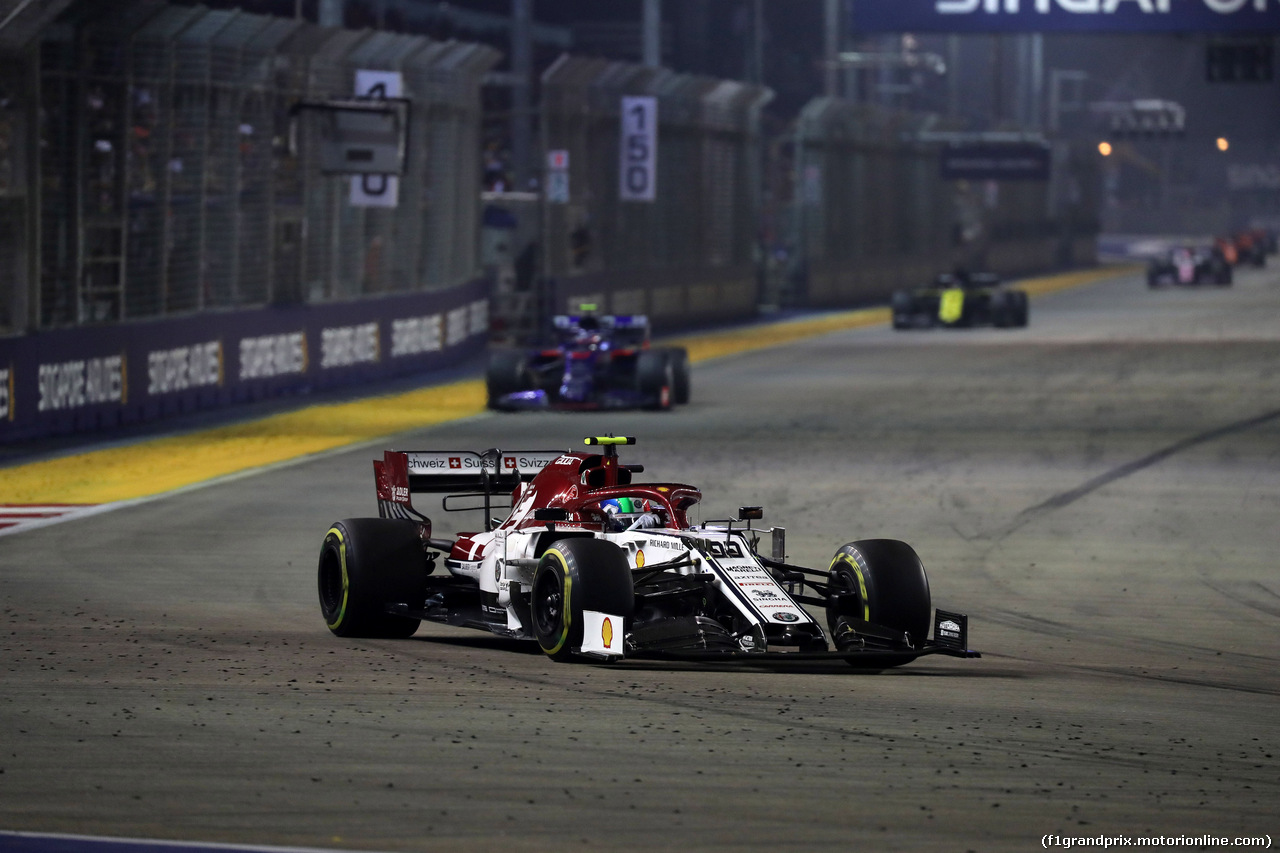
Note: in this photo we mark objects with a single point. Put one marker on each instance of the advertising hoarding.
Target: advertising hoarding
(1050, 16)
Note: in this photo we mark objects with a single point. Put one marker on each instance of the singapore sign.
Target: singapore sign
(1098, 16)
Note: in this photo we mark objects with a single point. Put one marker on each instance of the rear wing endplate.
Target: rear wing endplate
(400, 473)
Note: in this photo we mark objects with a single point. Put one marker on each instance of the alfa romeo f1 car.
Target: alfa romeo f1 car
(1189, 266)
(960, 299)
(590, 563)
(597, 362)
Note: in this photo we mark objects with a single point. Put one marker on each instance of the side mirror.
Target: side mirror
(550, 514)
(750, 513)
(779, 550)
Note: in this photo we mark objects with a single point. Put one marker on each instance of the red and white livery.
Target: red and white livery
(588, 561)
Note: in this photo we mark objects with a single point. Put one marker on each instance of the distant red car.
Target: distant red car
(1226, 246)
(1251, 248)
(1267, 238)
(591, 562)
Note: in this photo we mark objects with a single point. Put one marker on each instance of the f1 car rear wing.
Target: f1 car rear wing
(605, 321)
(623, 329)
(400, 473)
(968, 280)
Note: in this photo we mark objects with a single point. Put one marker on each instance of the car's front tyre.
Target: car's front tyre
(881, 581)
(1003, 309)
(575, 575)
(1022, 308)
(506, 373)
(681, 385)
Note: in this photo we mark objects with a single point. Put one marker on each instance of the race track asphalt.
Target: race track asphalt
(1099, 492)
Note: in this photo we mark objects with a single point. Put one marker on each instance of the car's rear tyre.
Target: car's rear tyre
(902, 306)
(891, 587)
(506, 373)
(681, 386)
(655, 378)
(574, 575)
(367, 564)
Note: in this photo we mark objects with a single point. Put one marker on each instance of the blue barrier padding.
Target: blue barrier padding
(96, 378)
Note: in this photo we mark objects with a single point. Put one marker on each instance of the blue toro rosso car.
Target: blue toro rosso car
(597, 362)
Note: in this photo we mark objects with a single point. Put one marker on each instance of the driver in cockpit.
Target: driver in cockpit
(632, 514)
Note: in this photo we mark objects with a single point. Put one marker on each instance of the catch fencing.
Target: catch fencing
(868, 210)
(158, 185)
(168, 241)
(847, 204)
(173, 177)
(688, 255)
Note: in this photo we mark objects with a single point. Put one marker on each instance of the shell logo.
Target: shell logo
(606, 633)
(639, 559)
